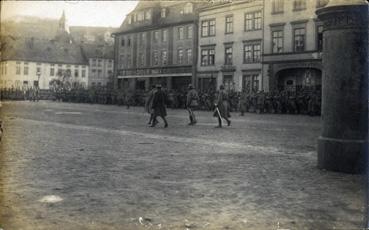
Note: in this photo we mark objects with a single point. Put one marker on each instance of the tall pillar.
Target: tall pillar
(343, 142)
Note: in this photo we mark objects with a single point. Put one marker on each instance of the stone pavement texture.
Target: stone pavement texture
(110, 171)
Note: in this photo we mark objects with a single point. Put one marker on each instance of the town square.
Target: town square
(248, 114)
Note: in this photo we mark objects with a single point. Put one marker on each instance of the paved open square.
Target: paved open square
(81, 166)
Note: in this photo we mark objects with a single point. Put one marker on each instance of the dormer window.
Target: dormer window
(148, 15)
(140, 16)
(163, 13)
(129, 19)
(188, 9)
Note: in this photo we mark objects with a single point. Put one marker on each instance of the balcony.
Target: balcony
(228, 68)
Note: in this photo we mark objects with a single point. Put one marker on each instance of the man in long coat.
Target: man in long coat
(148, 104)
(222, 107)
(158, 105)
(192, 103)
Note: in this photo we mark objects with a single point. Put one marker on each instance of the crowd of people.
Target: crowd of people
(279, 102)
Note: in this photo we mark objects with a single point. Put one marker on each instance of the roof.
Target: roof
(42, 50)
(174, 15)
(89, 34)
(98, 51)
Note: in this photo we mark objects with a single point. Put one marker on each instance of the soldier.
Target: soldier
(222, 107)
(192, 103)
(158, 105)
(148, 105)
(243, 102)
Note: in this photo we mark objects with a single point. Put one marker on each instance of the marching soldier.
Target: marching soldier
(222, 107)
(192, 103)
(158, 105)
(148, 105)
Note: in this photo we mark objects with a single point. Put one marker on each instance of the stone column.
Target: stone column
(342, 145)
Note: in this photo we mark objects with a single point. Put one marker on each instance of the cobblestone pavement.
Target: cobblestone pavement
(107, 170)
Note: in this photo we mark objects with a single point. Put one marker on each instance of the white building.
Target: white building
(28, 62)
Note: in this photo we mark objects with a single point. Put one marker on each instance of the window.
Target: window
(94, 62)
(121, 61)
(207, 56)
(156, 58)
(229, 24)
(142, 37)
(129, 42)
(129, 60)
(141, 59)
(189, 56)
(148, 15)
(129, 19)
(180, 56)
(299, 39)
(140, 16)
(99, 62)
(180, 33)
(321, 3)
(76, 73)
(156, 36)
(189, 32)
(122, 41)
(253, 21)
(250, 82)
(17, 68)
(299, 4)
(52, 70)
(163, 13)
(83, 74)
(164, 57)
(165, 36)
(277, 41)
(110, 63)
(99, 73)
(25, 69)
(319, 41)
(188, 8)
(277, 6)
(208, 28)
(252, 52)
(228, 82)
(228, 55)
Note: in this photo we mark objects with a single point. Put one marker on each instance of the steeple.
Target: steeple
(62, 34)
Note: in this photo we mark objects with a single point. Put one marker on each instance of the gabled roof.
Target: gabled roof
(42, 50)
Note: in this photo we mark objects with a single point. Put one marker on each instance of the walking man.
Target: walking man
(148, 104)
(222, 107)
(158, 105)
(192, 103)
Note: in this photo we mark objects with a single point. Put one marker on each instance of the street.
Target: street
(104, 168)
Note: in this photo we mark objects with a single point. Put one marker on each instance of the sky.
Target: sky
(78, 13)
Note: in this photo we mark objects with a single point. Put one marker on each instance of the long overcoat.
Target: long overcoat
(223, 104)
(158, 104)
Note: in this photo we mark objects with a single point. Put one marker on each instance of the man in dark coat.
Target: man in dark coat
(222, 107)
(192, 103)
(148, 105)
(158, 105)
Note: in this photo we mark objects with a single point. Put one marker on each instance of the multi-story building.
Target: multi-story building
(37, 62)
(29, 62)
(230, 45)
(292, 45)
(157, 43)
(101, 64)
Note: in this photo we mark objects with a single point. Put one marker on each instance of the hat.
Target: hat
(190, 86)
(158, 85)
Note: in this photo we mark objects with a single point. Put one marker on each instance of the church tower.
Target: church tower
(63, 30)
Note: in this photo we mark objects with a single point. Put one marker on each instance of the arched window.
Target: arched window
(188, 9)
(163, 12)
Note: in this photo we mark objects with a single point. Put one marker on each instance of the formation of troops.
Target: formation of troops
(222, 102)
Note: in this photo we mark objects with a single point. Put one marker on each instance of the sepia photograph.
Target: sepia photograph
(184, 115)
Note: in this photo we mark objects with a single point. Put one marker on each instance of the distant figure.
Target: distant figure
(158, 105)
(148, 105)
(222, 107)
(192, 103)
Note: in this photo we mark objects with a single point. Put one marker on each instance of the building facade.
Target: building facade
(157, 43)
(33, 62)
(101, 64)
(230, 46)
(293, 41)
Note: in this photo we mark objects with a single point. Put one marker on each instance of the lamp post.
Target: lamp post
(342, 145)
